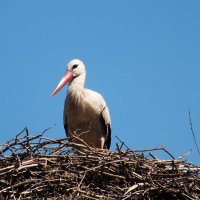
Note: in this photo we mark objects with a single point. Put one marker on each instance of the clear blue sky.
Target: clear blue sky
(142, 56)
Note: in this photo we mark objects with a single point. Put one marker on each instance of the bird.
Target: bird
(86, 114)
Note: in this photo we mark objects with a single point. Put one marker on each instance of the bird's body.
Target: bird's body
(86, 114)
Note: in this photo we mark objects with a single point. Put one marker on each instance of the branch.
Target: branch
(193, 134)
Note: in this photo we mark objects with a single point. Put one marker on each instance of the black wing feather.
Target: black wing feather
(66, 126)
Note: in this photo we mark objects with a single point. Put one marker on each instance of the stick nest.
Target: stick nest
(36, 167)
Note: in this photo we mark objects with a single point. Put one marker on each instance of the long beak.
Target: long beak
(65, 79)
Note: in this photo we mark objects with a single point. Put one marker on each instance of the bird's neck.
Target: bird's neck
(76, 86)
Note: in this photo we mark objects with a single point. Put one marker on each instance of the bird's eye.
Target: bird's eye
(74, 66)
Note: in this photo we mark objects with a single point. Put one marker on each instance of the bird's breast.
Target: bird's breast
(80, 115)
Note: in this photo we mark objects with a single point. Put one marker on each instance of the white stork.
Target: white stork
(85, 112)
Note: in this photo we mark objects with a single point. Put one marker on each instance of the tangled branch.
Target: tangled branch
(36, 167)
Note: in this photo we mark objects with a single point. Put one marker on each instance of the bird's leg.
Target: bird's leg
(102, 142)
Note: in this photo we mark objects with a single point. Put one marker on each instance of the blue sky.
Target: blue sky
(142, 56)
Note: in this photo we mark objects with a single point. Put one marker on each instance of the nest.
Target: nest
(36, 167)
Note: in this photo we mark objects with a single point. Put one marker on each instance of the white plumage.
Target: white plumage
(85, 112)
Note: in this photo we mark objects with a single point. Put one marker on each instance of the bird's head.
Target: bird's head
(75, 68)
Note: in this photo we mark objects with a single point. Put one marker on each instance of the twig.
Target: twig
(184, 155)
(193, 134)
(122, 142)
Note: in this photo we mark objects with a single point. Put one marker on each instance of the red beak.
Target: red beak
(65, 79)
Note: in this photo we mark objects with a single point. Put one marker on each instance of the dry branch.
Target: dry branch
(36, 167)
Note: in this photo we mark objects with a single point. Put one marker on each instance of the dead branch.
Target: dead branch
(36, 167)
(193, 134)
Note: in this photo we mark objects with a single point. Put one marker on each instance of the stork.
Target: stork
(85, 111)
